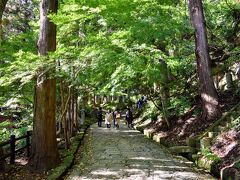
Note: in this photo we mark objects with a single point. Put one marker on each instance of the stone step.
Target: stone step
(205, 163)
(195, 157)
(182, 149)
(148, 133)
(205, 142)
(192, 141)
(139, 128)
(212, 134)
(160, 138)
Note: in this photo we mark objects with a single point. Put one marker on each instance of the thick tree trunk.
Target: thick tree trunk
(164, 95)
(164, 90)
(209, 97)
(3, 4)
(2, 162)
(44, 147)
(2, 7)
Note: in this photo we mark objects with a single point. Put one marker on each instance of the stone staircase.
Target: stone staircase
(204, 141)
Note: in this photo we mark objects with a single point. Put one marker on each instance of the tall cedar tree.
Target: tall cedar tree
(44, 148)
(3, 4)
(209, 97)
(2, 7)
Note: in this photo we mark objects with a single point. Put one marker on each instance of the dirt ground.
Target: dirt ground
(20, 171)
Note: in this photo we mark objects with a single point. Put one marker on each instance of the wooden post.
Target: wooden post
(28, 143)
(12, 145)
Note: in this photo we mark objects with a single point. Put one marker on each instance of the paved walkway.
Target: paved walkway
(127, 154)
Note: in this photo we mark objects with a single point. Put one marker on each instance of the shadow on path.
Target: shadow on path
(126, 154)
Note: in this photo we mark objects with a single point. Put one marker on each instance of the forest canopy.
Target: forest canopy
(114, 46)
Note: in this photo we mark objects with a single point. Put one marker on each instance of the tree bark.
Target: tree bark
(164, 90)
(3, 4)
(64, 108)
(74, 128)
(70, 112)
(44, 145)
(76, 113)
(2, 162)
(209, 97)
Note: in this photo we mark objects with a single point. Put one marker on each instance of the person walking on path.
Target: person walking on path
(114, 113)
(129, 118)
(100, 117)
(82, 117)
(139, 103)
(117, 122)
(109, 118)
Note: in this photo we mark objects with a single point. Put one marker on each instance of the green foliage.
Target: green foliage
(237, 164)
(210, 156)
(236, 122)
(4, 132)
(235, 116)
(180, 104)
(110, 51)
(151, 112)
(20, 129)
(113, 48)
(223, 29)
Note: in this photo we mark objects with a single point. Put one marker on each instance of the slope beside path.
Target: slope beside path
(126, 154)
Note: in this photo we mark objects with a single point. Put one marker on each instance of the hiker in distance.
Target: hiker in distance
(129, 118)
(100, 117)
(117, 119)
(114, 113)
(109, 118)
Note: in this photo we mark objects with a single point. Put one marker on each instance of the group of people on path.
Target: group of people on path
(114, 117)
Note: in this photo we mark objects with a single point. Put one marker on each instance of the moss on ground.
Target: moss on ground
(69, 154)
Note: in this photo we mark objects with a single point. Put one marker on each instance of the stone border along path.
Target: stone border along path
(126, 154)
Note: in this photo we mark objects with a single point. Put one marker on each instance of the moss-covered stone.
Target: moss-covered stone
(212, 134)
(195, 157)
(139, 128)
(148, 133)
(192, 141)
(205, 163)
(182, 149)
(205, 142)
(159, 138)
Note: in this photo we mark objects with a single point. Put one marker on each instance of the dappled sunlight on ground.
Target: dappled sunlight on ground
(125, 154)
(21, 161)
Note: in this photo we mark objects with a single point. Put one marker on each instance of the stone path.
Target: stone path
(127, 154)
